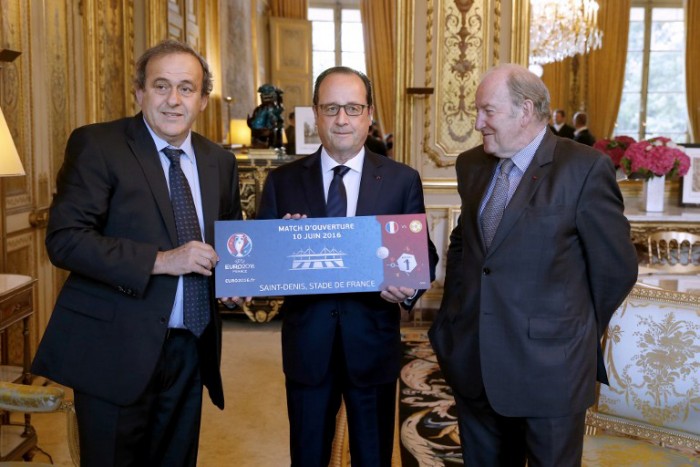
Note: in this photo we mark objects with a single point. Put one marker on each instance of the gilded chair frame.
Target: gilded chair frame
(666, 253)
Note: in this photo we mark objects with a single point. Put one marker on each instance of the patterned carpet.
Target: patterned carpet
(429, 435)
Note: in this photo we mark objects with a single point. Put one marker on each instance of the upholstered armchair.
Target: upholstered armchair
(650, 413)
(31, 399)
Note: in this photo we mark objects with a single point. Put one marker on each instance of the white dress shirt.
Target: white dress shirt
(188, 163)
(351, 180)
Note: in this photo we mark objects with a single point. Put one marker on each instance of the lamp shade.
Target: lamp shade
(10, 163)
(239, 132)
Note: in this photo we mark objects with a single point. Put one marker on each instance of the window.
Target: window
(337, 36)
(653, 97)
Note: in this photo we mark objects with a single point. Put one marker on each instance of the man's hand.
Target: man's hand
(397, 294)
(193, 256)
(295, 217)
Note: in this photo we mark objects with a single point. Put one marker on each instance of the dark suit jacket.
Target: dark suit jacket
(109, 218)
(369, 327)
(585, 137)
(566, 131)
(524, 319)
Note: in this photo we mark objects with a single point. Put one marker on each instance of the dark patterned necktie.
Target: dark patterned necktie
(493, 211)
(337, 203)
(195, 286)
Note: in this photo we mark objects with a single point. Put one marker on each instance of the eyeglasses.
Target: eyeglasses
(331, 110)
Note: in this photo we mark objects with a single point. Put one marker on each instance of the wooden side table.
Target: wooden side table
(16, 304)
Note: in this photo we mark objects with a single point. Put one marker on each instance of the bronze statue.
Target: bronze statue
(266, 124)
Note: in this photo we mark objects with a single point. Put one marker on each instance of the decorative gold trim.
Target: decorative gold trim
(658, 434)
(403, 122)
(128, 58)
(497, 32)
(669, 296)
(440, 184)
(157, 28)
(520, 38)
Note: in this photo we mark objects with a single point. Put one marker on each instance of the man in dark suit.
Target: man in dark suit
(559, 126)
(581, 132)
(135, 331)
(528, 298)
(343, 344)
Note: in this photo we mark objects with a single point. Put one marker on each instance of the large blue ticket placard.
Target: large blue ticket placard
(321, 255)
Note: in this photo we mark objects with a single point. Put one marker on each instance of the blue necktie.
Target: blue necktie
(337, 202)
(493, 211)
(196, 306)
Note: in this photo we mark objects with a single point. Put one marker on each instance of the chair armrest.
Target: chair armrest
(27, 398)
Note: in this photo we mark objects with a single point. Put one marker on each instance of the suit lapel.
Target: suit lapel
(143, 147)
(532, 178)
(208, 185)
(312, 184)
(370, 184)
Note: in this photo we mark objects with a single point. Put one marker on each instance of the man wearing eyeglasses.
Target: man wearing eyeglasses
(343, 345)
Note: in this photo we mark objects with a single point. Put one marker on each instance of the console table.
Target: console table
(642, 223)
(16, 304)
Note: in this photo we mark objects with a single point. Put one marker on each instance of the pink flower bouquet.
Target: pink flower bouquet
(655, 157)
(615, 148)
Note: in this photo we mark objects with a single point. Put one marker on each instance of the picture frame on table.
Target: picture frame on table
(305, 131)
(690, 183)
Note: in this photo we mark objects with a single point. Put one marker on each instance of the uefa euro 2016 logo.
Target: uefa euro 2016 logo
(239, 245)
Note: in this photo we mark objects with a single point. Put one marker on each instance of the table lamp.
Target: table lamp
(10, 164)
(239, 133)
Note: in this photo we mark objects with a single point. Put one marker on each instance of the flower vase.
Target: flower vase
(653, 194)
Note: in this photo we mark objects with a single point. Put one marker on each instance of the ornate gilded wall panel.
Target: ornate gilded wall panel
(290, 56)
(237, 63)
(451, 43)
(109, 58)
(15, 99)
(461, 43)
(62, 82)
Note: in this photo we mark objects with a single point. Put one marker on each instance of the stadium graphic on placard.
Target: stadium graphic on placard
(309, 259)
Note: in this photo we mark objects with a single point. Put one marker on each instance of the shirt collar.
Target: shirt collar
(522, 158)
(162, 144)
(355, 164)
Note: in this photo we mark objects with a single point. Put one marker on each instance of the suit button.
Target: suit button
(334, 313)
(487, 271)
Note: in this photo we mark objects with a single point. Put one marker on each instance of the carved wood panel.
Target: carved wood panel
(290, 54)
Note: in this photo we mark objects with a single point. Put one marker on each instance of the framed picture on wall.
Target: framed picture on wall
(690, 183)
(305, 131)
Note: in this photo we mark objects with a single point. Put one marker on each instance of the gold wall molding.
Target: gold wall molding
(13, 203)
(290, 60)
(520, 37)
(497, 32)
(108, 57)
(15, 99)
(157, 25)
(462, 48)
